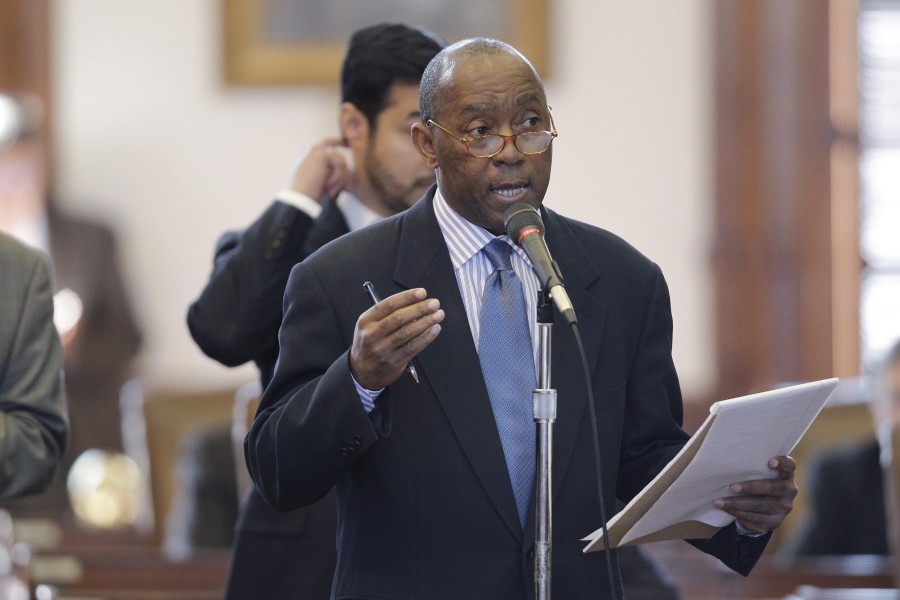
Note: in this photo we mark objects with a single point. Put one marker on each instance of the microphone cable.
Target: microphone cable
(615, 582)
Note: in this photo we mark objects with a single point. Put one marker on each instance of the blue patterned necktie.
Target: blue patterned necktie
(507, 362)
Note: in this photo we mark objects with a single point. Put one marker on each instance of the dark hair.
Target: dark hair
(380, 56)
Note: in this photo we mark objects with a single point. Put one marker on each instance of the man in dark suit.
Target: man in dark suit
(339, 185)
(426, 508)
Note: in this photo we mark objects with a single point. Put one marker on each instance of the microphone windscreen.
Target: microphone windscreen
(519, 217)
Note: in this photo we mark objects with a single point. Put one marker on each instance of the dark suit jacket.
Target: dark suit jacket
(236, 320)
(425, 507)
(847, 504)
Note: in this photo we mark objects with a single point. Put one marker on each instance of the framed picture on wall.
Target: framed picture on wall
(284, 42)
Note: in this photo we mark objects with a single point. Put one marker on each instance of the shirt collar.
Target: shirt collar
(357, 214)
(465, 239)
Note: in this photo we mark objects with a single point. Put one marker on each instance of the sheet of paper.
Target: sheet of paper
(733, 444)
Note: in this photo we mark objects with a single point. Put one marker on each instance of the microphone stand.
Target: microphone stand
(544, 403)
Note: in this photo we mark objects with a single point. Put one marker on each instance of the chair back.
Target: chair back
(846, 417)
(246, 401)
(155, 420)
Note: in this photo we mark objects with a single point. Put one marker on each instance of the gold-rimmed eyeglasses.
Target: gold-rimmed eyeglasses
(487, 146)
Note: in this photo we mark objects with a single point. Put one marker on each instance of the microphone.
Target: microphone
(525, 227)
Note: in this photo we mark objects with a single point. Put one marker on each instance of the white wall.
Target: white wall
(150, 139)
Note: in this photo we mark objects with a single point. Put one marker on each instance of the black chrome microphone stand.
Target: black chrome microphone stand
(544, 403)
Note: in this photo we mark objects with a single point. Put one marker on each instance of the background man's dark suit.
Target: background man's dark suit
(260, 257)
(428, 486)
(847, 504)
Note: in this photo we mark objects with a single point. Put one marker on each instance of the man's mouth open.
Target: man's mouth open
(510, 192)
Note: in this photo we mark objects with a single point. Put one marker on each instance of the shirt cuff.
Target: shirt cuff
(300, 201)
(367, 397)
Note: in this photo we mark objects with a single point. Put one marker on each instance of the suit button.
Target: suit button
(345, 451)
(357, 438)
(277, 244)
(530, 554)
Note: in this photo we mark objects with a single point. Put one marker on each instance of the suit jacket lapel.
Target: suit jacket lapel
(450, 365)
(581, 272)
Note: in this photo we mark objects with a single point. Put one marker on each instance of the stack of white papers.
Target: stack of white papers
(734, 444)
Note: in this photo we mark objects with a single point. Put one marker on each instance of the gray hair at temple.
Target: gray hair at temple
(21, 116)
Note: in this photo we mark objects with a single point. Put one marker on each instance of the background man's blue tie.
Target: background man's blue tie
(507, 361)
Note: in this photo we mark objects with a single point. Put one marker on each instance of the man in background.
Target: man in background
(33, 424)
(370, 172)
(93, 314)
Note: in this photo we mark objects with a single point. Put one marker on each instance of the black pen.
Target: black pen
(370, 289)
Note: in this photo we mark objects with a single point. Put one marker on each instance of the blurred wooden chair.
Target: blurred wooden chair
(845, 418)
(246, 401)
(892, 501)
(155, 420)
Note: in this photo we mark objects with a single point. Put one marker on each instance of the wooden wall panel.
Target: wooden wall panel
(772, 251)
(25, 49)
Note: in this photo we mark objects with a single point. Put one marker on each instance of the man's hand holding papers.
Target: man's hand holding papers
(761, 505)
(730, 453)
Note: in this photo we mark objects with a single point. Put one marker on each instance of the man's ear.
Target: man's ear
(354, 125)
(423, 140)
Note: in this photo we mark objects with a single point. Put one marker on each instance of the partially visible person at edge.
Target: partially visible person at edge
(33, 420)
(426, 504)
(94, 315)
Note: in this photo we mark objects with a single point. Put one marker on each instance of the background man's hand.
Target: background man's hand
(323, 170)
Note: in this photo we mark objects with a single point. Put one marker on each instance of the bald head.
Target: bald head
(440, 70)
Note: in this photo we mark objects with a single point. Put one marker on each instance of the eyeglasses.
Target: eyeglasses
(487, 146)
